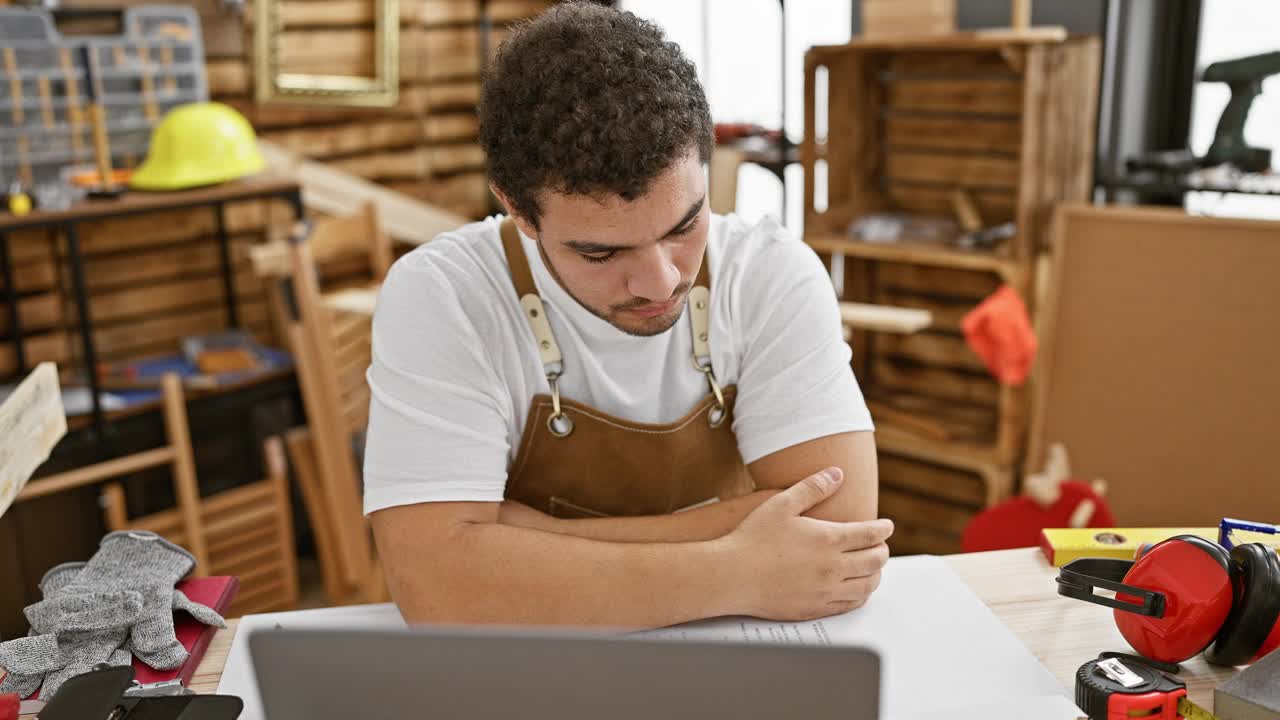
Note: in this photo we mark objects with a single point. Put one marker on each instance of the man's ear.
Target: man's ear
(521, 222)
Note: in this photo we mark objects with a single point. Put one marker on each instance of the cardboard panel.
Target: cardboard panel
(1160, 370)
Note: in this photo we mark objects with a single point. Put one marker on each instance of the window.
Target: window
(1232, 29)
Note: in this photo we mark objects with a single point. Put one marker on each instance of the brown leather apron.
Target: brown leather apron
(576, 461)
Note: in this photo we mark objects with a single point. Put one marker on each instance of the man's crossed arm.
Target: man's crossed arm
(803, 545)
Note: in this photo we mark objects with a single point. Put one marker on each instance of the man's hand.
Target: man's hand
(798, 568)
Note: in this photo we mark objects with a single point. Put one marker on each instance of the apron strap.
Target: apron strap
(700, 326)
(530, 302)
(553, 362)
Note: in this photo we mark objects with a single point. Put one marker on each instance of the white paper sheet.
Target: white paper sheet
(940, 646)
(943, 653)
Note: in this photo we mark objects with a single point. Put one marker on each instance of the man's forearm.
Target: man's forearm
(703, 523)
(497, 573)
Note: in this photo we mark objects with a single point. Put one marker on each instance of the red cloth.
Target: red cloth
(1017, 522)
(999, 331)
(9, 704)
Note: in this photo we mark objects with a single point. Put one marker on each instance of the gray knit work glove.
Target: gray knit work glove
(131, 563)
(58, 648)
(124, 594)
(28, 660)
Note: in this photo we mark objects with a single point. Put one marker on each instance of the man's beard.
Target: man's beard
(648, 326)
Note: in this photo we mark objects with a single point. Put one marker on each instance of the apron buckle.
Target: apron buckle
(718, 412)
(559, 424)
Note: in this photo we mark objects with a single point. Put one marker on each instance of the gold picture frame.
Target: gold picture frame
(271, 84)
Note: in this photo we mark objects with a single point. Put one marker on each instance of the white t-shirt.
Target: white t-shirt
(455, 364)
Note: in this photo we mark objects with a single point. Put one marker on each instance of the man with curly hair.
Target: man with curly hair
(612, 407)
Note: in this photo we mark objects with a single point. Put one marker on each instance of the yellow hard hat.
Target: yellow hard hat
(198, 144)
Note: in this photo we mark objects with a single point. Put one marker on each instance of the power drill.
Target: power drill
(1244, 76)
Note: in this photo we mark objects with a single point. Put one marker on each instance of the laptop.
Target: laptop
(461, 674)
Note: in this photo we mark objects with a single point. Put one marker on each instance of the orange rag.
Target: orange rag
(999, 331)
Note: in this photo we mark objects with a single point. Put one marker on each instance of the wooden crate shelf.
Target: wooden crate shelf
(920, 253)
(905, 123)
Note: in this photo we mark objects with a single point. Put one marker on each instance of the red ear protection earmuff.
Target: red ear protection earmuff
(1253, 627)
(1185, 594)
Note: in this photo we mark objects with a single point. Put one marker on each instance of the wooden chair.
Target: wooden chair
(176, 453)
(331, 349)
(248, 533)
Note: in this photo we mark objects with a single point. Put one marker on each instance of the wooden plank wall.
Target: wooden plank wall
(151, 279)
(426, 146)
(155, 278)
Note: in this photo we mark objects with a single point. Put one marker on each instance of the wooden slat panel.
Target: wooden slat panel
(932, 349)
(230, 76)
(33, 277)
(951, 133)
(265, 574)
(52, 347)
(37, 312)
(959, 423)
(444, 159)
(247, 558)
(947, 484)
(262, 597)
(938, 382)
(263, 117)
(942, 281)
(888, 18)
(921, 540)
(122, 340)
(112, 308)
(347, 52)
(947, 314)
(995, 206)
(952, 170)
(252, 216)
(455, 95)
(510, 10)
(413, 164)
(136, 231)
(955, 96)
(444, 12)
(452, 126)
(30, 246)
(375, 166)
(331, 13)
(231, 542)
(910, 509)
(191, 259)
(943, 63)
(235, 500)
(466, 193)
(322, 142)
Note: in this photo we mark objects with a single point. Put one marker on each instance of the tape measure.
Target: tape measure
(1111, 689)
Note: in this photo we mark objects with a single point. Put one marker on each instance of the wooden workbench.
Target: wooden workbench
(1018, 586)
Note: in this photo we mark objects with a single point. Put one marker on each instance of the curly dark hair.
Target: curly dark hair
(587, 100)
